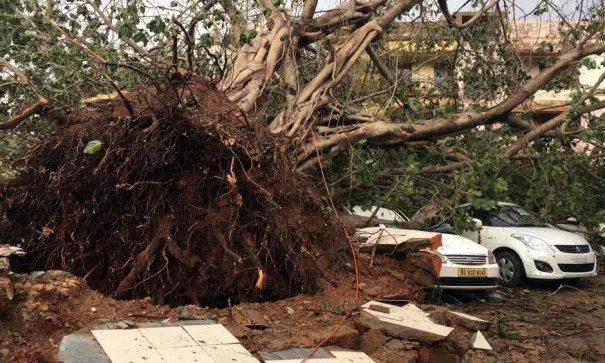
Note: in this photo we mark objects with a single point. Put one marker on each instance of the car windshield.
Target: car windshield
(509, 216)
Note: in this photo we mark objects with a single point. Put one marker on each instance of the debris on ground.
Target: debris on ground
(408, 322)
(468, 321)
(478, 341)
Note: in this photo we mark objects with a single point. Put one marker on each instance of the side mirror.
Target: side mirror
(478, 223)
(572, 220)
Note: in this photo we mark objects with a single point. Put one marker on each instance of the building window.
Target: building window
(405, 71)
(440, 73)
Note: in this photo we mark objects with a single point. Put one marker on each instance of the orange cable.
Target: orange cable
(352, 251)
(327, 338)
(338, 216)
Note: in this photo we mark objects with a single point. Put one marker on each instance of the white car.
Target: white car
(526, 247)
(465, 264)
(381, 213)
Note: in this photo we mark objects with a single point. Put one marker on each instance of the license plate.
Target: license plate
(472, 272)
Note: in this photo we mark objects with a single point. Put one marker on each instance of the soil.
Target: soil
(538, 323)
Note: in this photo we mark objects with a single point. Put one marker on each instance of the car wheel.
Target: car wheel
(511, 268)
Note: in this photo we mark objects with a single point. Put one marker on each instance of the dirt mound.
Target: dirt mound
(185, 201)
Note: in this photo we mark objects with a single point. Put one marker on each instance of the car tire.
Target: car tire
(511, 271)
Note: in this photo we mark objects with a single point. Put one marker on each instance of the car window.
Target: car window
(506, 216)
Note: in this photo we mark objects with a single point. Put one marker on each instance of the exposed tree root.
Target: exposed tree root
(185, 202)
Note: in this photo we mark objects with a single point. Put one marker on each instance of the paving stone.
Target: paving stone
(185, 354)
(81, 348)
(353, 357)
(229, 353)
(135, 356)
(210, 334)
(168, 337)
(131, 339)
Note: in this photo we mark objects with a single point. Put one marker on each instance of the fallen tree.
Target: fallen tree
(196, 192)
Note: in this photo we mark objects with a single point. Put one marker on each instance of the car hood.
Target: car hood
(458, 245)
(552, 236)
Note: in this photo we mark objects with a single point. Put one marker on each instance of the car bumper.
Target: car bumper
(564, 265)
(449, 278)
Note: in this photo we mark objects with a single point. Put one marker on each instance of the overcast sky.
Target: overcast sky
(522, 7)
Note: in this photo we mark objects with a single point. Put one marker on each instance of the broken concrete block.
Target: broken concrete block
(380, 308)
(407, 322)
(468, 321)
(123, 325)
(478, 341)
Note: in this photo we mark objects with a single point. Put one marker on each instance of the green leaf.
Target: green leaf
(501, 185)
(93, 147)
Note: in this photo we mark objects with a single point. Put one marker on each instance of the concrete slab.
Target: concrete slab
(478, 341)
(468, 321)
(229, 353)
(134, 356)
(186, 354)
(408, 322)
(169, 337)
(210, 334)
(121, 339)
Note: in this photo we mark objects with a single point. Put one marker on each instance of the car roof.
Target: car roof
(499, 203)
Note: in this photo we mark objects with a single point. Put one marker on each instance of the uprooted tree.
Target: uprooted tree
(180, 175)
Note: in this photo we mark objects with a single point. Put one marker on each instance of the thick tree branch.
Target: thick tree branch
(384, 71)
(16, 120)
(549, 125)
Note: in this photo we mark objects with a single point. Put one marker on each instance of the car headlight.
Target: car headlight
(491, 259)
(534, 243)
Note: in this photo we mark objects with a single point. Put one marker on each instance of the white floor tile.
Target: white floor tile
(229, 353)
(187, 354)
(168, 337)
(120, 340)
(210, 334)
(352, 357)
(134, 356)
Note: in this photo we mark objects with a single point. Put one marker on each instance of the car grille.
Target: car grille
(467, 259)
(576, 267)
(466, 281)
(573, 249)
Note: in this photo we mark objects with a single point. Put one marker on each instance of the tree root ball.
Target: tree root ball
(184, 200)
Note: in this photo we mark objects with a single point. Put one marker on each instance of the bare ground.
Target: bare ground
(534, 324)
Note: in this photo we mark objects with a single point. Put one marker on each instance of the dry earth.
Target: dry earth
(534, 324)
